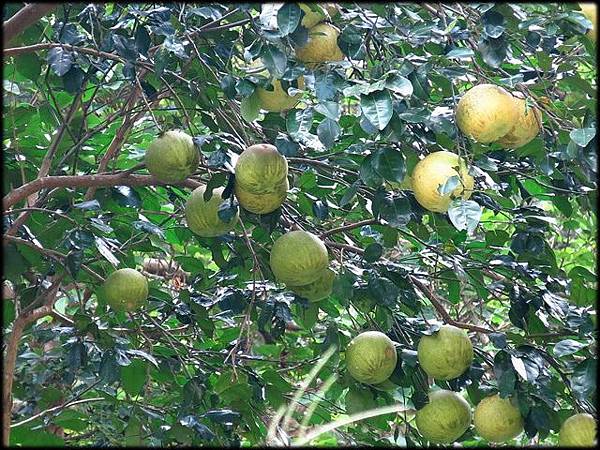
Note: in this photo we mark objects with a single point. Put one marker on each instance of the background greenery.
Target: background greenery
(221, 347)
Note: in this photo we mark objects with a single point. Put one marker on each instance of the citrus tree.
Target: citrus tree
(280, 224)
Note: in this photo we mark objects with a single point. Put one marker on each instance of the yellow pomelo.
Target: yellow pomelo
(498, 419)
(371, 357)
(321, 45)
(262, 203)
(278, 99)
(444, 418)
(527, 126)
(578, 431)
(311, 18)
(590, 10)
(126, 290)
(432, 172)
(172, 157)
(446, 354)
(202, 216)
(261, 169)
(317, 290)
(298, 258)
(486, 113)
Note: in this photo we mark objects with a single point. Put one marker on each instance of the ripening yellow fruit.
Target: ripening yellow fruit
(260, 169)
(432, 172)
(263, 203)
(278, 99)
(321, 45)
(486, 113)
(590, 10)
(497, 419)
(526, 128)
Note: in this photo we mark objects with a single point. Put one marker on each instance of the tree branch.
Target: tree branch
(25, 17)
(98, 180)
(349, 227)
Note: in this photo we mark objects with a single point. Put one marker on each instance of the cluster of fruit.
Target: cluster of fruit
(371, 358)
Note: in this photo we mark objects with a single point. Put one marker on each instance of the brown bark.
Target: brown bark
(25, 17)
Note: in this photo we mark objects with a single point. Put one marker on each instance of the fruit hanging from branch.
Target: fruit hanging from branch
(126, 290)
(371, 357)
(446, 354)
(298, 258)
(278, 99)
(444, 418)
(203, 216)
(261, 169)
(432, 172)
(172, 157)
(578, 430)
(486, 113)
(321, 46)
(498, 419)
(262, 203)
(317, 290)
(590, 10)
(526, 127)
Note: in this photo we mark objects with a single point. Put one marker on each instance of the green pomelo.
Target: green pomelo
(359, 399)
(578, 431)
(126, 290)
(261, 169)
(202, 217)
(371, 357)
(262, 203)
(317, 290)
(498, 419)
(172, 157)
(385, 386)
(298, 258)
(444, 418)
(446, 354)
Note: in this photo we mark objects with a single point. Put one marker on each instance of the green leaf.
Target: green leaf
(583, 381)
(288, 18)
(399, 84)
(373, 252)
(133, 377)
(582, 136)
(377, 107)
(299, 122)
(465, 214)
(60, 60)
(567, 347)
(449, 186)
(274, 59)
(493, 51)
(389, 163)
(29, 65)
(250, 108)
(328, 131)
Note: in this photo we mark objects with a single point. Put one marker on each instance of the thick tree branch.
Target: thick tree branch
(102, 180)
(25, 17)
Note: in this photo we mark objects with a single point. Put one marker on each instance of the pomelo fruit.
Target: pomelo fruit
(578, 431)
(321, 45)
(278, 99)
(359, 399)
(262, 203)
(261, 169)
(432, 172)
(486, 113)
(126, 290)
(527, 126)
(317, 290)
(385, 386)
(371, 357)
(498, 419)
(444, 418)
(446, 354)
(202, 216)
(298, 258)
(590, 10)
(172, 157)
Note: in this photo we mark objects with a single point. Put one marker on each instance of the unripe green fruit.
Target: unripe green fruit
(578, 431)
(359, 399)
(498, 419)
(385, 386)
(317, 290)
(371, 357)
(486, 112)
(202, 217)
(126, 290)
(444, 418)
(172, 157)
(261, 169)
(298, 258)
(446, 354)
(262, 203)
